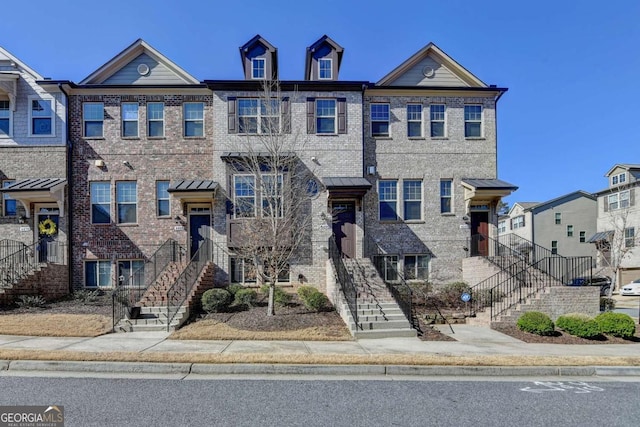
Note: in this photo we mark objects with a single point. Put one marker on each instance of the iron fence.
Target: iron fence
(345, 279)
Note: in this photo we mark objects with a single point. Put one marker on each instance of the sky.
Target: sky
(572, 110)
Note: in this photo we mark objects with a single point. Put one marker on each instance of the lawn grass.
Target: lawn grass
(55, 325)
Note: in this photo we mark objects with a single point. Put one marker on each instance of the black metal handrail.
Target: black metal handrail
(130, 289)
(10, 247)
(178, 293)
(25, 259)
(345, 280)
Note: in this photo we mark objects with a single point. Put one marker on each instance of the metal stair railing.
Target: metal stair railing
(20, 260)
(345, 280)
(400, 290)
(178, 293)
(130, 290)
(524, 277)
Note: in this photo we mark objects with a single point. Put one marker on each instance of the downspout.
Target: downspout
(69, 191)
(364, 173)
(496, 126)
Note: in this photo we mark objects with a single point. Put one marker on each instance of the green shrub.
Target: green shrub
(245, 297)
(233, 289)
(450, 294)
(280, 296)
(536, 323)
(616, 324)
(313, 299)
(305, 291)
(31, 301)
(87, 295)
(607, 304)
(215, 300)
(579, 325)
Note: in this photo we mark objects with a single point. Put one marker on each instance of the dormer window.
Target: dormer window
(619, 179)
(325, 69)
(257, 68)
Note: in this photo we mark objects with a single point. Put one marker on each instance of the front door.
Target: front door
(344, 228)
(199, 225)
(479, 231)
(48, 220)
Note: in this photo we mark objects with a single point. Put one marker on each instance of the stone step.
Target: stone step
(387, 324)
(385, 333)
(380, 317)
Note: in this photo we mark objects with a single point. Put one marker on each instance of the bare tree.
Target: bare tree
(618, 241)
(270, 181)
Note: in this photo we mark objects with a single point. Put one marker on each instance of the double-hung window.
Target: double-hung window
(472, 121)
(388, 200)
(619, 178)
(583, 236)
(412, 195)
(446, 195)
(258, 116)
(97, 274)
(193, 119)
(162, 198)
(41, 115)
(629, 237)
(380, 117)
(131, 273)
(5, 118)
(129, 119)
(416, 267)
(558, 218)
(127, 202)
(325, 116)
(257, 68)
(100, 202)
(502, 226)
(554, 247)
(155, 119)
(271, 192)
(618, 200)
(437, 120)
(414, 120)
(325, 69)
(387, 265)
(9, 205)
(569, 230)
(517, 222)
(243, 270)
(244, 190)
(93, 119)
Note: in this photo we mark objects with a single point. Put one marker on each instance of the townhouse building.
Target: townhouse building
(618, 222)
(563, 224)
(34, 217)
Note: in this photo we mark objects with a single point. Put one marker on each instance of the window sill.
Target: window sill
(127, 225)
(414, 221)
(439, 138)
(195, 137)
(381, 138)
(326, 134)
(447, 214)
(101, 224)
(156, 137)
(131, 138)
(41, 136)
(94, 138)
(474, 138)
(416, 138)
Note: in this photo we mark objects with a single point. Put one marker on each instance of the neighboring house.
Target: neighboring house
(140, 127)
(561, 225)
(430, 149)
(33, 171)
(618, 224)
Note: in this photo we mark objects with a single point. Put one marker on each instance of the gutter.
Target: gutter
(69, 191)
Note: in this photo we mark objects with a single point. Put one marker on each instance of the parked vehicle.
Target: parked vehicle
(632, 288)
(603, 281)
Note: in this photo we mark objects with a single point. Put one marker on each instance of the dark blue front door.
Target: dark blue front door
(198, 231)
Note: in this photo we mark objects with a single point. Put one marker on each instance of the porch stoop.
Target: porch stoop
(153, 304)
(379, 315)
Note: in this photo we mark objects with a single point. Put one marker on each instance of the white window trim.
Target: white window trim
(450, 196)
(108, 183)
(397, 211)
(388, 121)
(84, 121)
(443, 121)
(185, 120)
(10, 134)
(416, 256)
(404, 200)
(619, 179)
(481, 121)
(259, 116)
(330, 68)
(264, 68)
(235, 197)
(118, 204)
(278, 177)
(98, 261)
(156, 120)
(123, 120)
(335, 116)
(52, 117)
(158, 199)
(421, 121)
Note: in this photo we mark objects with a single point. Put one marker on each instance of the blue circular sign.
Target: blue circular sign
(466, 297)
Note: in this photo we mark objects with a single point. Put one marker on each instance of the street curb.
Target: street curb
(337, 370)
(102, 367)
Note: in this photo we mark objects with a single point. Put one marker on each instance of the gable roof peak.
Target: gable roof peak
(6, 55)
(127, 55)
(434, 51)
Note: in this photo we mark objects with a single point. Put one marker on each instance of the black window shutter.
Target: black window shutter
(311, 115)
(342, 115)
(605, 201)
(232, 115)
(286, 115)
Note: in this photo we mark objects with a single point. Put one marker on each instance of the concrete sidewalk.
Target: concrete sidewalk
(470, 341)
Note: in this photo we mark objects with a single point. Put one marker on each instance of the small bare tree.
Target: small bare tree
(620, 238)
(270, 185)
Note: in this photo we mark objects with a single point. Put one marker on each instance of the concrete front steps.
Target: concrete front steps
(152, 319)
(379, 315)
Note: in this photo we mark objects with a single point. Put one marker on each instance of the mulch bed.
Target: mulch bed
(102, 306)
(563, 338)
